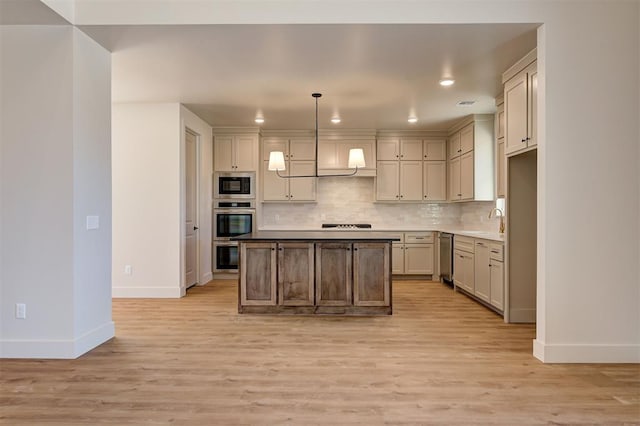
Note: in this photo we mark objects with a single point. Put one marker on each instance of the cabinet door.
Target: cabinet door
(466, 139)
(388, 149)
(411, 149)
(496, 271)
(454, 179)
(397, 264)
(458, 269)
(367, 149)
(274, 188)
(500, 120)
(434, 187)
(418, 259)
(481, 271)
(532, 107)
(296, 274)
(454, 145)
(515, 110)
(435, 150)
(501, 175)
(387, 181)
(371, 275)
(333, 274)
(246, 153)
(274, 144)
(410, 180)
(302, 149)
(258, 274)
(223, 153)
(302, 189)
(466, 176)
(328, 155)
(468, 271)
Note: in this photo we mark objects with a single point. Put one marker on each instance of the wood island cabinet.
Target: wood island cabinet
(315, 273)
(296, 274)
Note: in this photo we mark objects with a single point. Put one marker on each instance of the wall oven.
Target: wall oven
(234, 185)
(230, 218)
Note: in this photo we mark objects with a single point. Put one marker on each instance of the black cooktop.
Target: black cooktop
(347, 225)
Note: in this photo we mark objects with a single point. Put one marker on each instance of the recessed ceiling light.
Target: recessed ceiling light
(447, 82)
(412, 120)
(335, 120)
(259, 120)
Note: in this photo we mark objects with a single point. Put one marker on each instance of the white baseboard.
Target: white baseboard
(147, 292)
(582, 353)
(206, 278)
(57, 349)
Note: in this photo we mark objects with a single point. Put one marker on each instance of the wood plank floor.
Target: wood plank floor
(440, 359)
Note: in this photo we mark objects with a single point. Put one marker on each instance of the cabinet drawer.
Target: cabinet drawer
(418, 237)
(396, 235)
(463, 243)
(496, 251)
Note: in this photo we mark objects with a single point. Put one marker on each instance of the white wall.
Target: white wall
(146, 200)
(205, 189)
(48, 170)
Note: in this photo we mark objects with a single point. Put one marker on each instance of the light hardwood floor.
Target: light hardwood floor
(440, 359)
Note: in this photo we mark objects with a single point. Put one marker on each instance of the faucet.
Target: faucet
(501, 216)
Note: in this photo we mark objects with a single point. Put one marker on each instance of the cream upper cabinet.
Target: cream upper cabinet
(472, 171)
(411, 149)
(501, 160)
(302, 149)
(520, 105)
(434, 185)
(388, 149)
(388, 181)
(411, 180)
(275, 188)
(434, 150)
(235, 153)
(333, 156)
(466, 139)
(454, 145)
(274, 144)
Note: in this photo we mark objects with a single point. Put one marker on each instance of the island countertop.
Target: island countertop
(354, 236)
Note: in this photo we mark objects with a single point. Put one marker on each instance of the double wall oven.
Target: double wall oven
(234, 214)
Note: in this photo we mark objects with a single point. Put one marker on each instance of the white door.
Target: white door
(302, 149)
(435, 150)
(411, 180)
(223, 153)
(434, 186)
(274, 188)
(532, 107)
(411, 149)
(388, 149)
(387, 181)
(515, 107)
(454, 179)
(191, 210)
(466, 176)
(245, 157)
(302, 189)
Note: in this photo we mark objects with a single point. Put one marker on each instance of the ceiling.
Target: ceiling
(372, 76)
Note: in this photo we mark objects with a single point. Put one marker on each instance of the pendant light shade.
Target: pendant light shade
(356, 158)
(276, 161)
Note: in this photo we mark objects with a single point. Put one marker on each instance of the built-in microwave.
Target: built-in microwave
(234, 185)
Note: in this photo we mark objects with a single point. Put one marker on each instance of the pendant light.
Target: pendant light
(356, 157)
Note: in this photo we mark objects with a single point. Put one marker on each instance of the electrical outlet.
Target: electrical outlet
(21, 311)
(128, 270)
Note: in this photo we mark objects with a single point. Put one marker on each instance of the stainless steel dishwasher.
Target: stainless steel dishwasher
(446, 257)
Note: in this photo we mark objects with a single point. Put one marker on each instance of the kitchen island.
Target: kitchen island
(315, 272)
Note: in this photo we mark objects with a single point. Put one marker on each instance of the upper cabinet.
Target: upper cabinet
(501, 177)
(520, 105)
(471, 159)
(411, 169)
(333, 154)
(235, 152)
(299, 155)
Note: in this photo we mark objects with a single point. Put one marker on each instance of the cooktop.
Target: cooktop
(347, 225)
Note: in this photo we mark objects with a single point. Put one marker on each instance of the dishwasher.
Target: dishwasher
(446, 257)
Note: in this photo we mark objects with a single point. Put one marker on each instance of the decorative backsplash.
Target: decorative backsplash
(351, 200)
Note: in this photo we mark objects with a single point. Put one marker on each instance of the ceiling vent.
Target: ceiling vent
(465, 103)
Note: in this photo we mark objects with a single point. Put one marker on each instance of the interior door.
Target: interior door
(191, 209)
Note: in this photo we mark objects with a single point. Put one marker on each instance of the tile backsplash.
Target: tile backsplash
(351, 200)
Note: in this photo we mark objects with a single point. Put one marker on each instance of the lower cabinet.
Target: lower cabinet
(414, 254)
(333, 274)
(306, 277)
(258, 278)
(296, 274)
(478, 269)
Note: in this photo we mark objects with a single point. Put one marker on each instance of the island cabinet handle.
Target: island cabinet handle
(272, 249)
(355, 249)
(348, 249)
(419, 238)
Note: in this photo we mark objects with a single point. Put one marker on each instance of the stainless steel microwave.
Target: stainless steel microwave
(234, 185)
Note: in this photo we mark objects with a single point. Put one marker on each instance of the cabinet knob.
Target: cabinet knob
(397, 196)
(397, 156)
(291, 196)
(425, 156)
(401, 196)
(355, 249)
(272, 249)
(523, 140)
(528, 138)
(348, 249)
